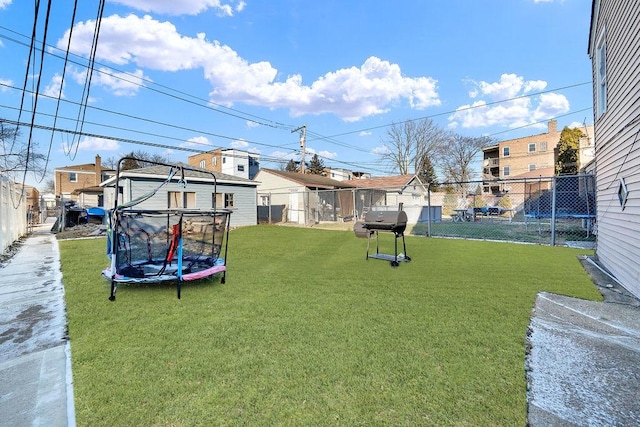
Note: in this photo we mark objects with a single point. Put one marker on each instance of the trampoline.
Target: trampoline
(149, 246)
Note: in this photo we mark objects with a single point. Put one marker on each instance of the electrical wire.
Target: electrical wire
(64, 71)
(206, 103)
(87, 84)
(124, 140)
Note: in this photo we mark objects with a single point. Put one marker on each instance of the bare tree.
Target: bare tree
(455, 160)
(110, 162)
(142, 159)
(49, 186)
(15, 155)
(410, 142)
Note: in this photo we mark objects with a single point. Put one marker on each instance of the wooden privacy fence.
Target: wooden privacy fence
(13, 213)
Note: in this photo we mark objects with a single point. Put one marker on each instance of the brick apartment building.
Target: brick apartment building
(238, 163)
(530, 155)
(32, 200)
(73, 181)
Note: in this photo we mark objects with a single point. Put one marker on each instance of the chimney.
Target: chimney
(552, 126)
(98, 170)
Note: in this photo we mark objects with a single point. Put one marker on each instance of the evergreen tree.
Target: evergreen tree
(291, 166)
(316, 166)
(568, 159)
(130, 164)
(426, 171)
(141, 159)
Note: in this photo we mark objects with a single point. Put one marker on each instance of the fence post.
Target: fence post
(317, 218)
(3, 219)
(429, 210)
(270, 207)
(355, 211)
(553, 211)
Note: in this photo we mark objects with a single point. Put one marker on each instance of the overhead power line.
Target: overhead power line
(125, 140)
(204, 103)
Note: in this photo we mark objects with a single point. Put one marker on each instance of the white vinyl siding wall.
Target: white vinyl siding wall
(617, 142)
(244, 197)
(280, 190)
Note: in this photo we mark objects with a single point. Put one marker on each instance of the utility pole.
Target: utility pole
(303, 139)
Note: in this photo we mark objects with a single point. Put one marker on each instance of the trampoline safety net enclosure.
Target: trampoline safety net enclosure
(172, 245)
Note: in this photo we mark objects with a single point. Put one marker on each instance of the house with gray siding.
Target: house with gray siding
(614, 49)
(196, 191)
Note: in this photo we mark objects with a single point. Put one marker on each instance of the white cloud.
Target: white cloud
(5, 82)
(328, 154)
(182, 7)
(200, 142)
(90, 143)
(322, 153)
(5, 3)
(381, 150)
(239, 144)
(551, 104)
(119, 83)
(251, 124)
(365, 133)
(350, 93)
(53, 89)
(285, 156)
(573, 125)
(505, 103)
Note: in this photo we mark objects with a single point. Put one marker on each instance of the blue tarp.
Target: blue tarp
(95, 212)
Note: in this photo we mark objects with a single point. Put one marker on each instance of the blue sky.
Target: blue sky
(187, 75)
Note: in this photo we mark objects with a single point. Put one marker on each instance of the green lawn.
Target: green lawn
(307, 332)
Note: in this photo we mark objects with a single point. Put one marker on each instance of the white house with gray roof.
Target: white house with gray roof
(195, 191)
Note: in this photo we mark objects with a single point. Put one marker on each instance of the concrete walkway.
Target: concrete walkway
(35, 365)
(583, 361)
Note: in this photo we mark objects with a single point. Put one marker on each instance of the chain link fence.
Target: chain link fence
(557, 210)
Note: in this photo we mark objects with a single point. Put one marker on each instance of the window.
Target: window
(224, 160)
(240, 168)
(264, 200)
(622, 193)
(203, 164)
(214, 161)
(217, 199)
(505, 151)
(532, 167)
(506, 171)
(73, 177)
(601, 75)
(543, 146)
(228, 200)
(179, 199)
(532, 147)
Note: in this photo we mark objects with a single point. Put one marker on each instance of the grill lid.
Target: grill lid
(385, 220)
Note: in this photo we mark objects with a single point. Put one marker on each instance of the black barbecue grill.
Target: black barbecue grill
(387, 221)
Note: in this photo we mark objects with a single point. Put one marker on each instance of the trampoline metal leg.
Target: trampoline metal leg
(112, 297)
